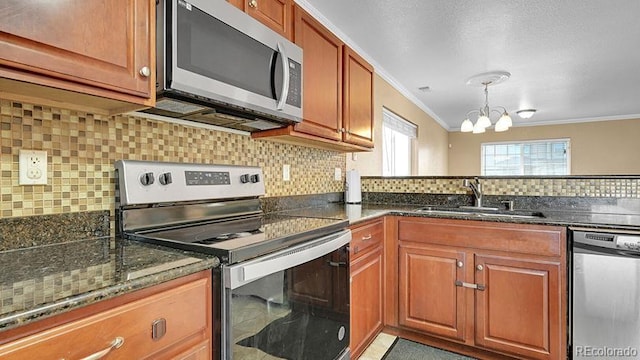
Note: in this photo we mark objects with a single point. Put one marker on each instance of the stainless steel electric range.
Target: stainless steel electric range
(284, 283)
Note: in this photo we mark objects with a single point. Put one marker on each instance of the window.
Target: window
(542, 157)
(398, 136)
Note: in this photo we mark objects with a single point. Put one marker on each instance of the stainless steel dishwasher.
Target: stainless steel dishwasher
(605, 295)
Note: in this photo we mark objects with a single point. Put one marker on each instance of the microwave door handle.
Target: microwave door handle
(285, 76)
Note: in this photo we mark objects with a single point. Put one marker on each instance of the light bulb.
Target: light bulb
(504, 123)
(507, 119)
(484, 121)
(478, 128)
(467, 126)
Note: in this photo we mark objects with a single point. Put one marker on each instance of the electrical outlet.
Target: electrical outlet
(337, 175)
(33, 167)
(286, 172)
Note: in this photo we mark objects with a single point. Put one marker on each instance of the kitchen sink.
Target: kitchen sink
(481, 212)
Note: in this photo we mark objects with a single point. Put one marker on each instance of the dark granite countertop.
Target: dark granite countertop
(363, 212)
(42, 281)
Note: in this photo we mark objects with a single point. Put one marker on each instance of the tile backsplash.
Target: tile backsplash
(83, 147)
(587, 186)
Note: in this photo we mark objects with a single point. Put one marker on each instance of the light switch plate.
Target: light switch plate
(337, 174)
(33, 167)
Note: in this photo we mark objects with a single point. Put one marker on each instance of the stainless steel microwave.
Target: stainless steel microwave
(218, 65)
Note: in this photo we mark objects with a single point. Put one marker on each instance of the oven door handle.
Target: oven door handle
(243, 273)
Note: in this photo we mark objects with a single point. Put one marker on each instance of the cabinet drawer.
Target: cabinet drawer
(522, 238)
(184, 311)
(366, 237)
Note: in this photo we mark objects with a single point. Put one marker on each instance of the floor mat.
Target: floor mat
(408, 350)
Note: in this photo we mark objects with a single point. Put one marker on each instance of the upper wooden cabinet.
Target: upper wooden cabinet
(337, 90)
(322, 87)
(101, 48)
(275, 14)
(357, 111)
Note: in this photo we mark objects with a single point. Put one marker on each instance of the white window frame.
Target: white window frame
(397, 123)
(567, 140)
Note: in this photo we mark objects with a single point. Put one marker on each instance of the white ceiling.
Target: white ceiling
(572, 60)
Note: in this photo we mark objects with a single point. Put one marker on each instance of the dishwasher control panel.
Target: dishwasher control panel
(619, 241)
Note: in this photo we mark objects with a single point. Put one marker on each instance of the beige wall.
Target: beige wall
(432, 138)
(597, 148)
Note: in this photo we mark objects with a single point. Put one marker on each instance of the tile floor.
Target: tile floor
(378, 347)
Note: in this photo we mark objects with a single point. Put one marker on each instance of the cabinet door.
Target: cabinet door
(276, 14)
(358, 100)
(366, 299)
(519, 310)
(430, 301)
(322, 77)
(103, 44)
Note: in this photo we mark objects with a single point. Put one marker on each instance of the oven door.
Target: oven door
(293, 304)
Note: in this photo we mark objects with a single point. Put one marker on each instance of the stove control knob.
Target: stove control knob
(165, 178)
(244, 178)
(255, 178)
(147, 179)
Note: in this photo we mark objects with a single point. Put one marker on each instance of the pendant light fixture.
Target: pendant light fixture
(483, 120)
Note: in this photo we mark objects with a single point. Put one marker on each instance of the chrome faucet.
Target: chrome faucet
(476, 187)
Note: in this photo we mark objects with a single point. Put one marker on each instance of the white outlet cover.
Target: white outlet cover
(286, 172)
(338, 174)
(33, 167)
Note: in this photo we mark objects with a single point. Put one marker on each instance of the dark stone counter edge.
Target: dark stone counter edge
(24, 317)
(533, 221)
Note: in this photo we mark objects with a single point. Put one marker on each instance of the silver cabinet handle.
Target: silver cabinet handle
(285, 76)
(115, 344)
(480, 267)
(460, 264)
(145, 71)
(253, 3)
(367, 237)
(470, 286)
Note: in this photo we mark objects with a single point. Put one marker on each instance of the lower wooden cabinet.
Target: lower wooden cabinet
(429, 298)
(518, 311)
(170, 321)
(367, 270)
(491, 286)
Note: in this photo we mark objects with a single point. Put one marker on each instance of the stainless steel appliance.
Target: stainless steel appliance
(216, 64)
(283, 285)
(606, 295)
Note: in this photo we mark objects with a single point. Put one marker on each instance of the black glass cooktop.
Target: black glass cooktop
(243, 238)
